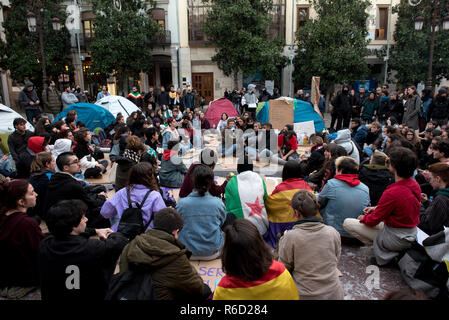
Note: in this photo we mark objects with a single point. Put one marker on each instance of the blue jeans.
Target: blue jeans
(230, 151)
(265, 155)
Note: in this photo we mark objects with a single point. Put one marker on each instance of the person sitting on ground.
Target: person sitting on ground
(68, 252)
(266, 146)
(20, 236)
(152, 140)
(245, 195)
(392, 223)
(287, 144)
(172, 170)
(122, 132)
(229, 138)
(17, 141)
(251, 272)
(441, 151)
(376, 176)
(142, 184)
(344, 139)
(170, 133)
(6, 168)
(435, 214)
(280, 213)
(359, 131)
(208, 157)
(167, 259)
(90, 168)
(316, 159)
(35, 145)
(64, 186)
(133, 152)
(315, 269)
(337, 197)
(204, 217)
(42, 168)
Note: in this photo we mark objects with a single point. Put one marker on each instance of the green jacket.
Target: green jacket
(168, 262)
(369, 107)
(51, 100)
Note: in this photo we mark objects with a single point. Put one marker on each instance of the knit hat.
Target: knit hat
(442, 91)
(35, 144)
(305, 202)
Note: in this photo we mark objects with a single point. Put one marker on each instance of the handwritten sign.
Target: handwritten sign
(210, 271)
(306, 127)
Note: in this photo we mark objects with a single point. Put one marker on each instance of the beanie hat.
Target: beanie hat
(442, 91)
(35, 144)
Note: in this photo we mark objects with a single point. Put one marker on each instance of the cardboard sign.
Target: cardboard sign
(306, 127)
(210, 271)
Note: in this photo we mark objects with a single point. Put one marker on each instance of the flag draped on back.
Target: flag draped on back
(245, 195)
(279, 211)
(276, 284)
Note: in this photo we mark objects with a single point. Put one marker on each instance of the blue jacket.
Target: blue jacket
(339, 201)
(203, 219)
(360, 135)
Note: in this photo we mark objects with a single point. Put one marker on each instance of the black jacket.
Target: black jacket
(163, 98)
(434, 215)
(17, 143)
(343, 103)
(40, 181)
(94, 259)
(438, 109)
(377, 179)
(63, 186)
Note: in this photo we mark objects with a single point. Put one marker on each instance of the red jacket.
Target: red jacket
(398, 207)
(291, 144)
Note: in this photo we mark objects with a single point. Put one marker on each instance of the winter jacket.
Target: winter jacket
(167, 259)
(85, 154)
(172, 170)
(369, 108)
(63, 186)
(439, 109)
(26, 97)
(61, 146)
(51, 100)
(377, 178)
(384, 108)
(434, 214)
(114, 207)
(23, 163)
(344, 139)
(39, 181)
(136, 98)
(203, 218)
(17, 143)
(20, 236)
(411, 114)
(81, 96)
(67, 99)
(343, 103)
(95, 260)
(189, 100)
(311, 251)
(124, 166)
(360, 134)
(187, 185)
(397, 110)
(337, 200)
(163, 99)
(168, 135)
(398, 206)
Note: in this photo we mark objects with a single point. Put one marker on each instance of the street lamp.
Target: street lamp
(419, 22)
(31, 19)
(56, 23)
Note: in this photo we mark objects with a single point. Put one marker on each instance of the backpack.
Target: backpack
(131, 222)
(134, 284)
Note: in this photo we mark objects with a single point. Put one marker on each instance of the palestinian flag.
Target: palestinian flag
(276, 284)
(279, 210)
(245, 196)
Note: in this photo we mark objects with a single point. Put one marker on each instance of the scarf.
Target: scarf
(444, 192)
(168, 154)
(135, 95)
(351, 179)
(132, 155)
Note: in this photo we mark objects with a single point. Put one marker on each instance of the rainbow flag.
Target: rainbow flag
(280, 213)
(276, 284)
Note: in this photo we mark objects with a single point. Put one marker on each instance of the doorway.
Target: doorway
(204, 85)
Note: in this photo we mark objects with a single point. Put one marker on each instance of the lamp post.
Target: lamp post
(35, 24)
(434, 7)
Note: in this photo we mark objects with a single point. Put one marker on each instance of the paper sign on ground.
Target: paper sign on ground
(306, 127)
(210, 271)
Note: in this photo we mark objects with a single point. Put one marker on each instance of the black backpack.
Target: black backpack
(134, 284)
(131, 222)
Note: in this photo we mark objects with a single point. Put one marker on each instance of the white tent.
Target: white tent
(116, 104)
(7, 116)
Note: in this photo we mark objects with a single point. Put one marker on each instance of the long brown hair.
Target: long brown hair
(245, 254)
(40, 160)
(143, 173)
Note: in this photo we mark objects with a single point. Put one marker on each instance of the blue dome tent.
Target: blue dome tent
(92, 115)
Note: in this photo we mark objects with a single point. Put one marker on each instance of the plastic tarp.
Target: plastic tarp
(91, 114)
(117, 104)
(217, 108)
(304, 111)
(7, 116)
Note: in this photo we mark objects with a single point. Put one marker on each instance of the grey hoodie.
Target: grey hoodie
(344, 140)
(24, 99)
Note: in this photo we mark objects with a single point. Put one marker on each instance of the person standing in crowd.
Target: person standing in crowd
(251, 272)
(426, 101)
(384, 107)
(356, 104)
(69, 245)
(149, 101)
(29, 100)
(439, 108)
(396, 107)
(161, 253)
(17, 141)
(80, 95)
(103, 93)
(204, 217)
(20, 236)
(51, 99)
(343, 107)
(173, 97)
(163, 98)
(249, 99)
(314, 270)
(68, 97)
(391, 225)
(188, 99)
(135, 97)
(370, 107)
(411, 109)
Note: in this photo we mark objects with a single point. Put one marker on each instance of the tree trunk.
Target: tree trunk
(236, 80)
